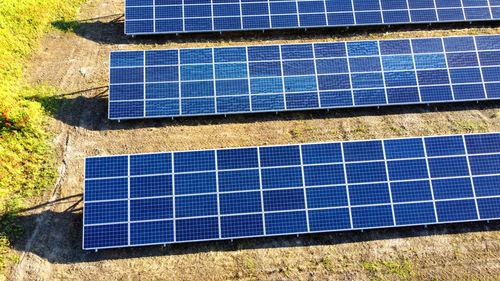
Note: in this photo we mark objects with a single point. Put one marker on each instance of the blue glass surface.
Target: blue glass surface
(195, 206)
(408, 191)
(286, 222)
(418, 213)
(239, 180)
(100, 167)
(154, 232)
(324, 175)
(448, 167)
(149, 186)
(407, 169)
(485, 164)
(279, 156)
(194, 183)
(366, 172)
(197, 229)
(241, 226)
(489, 208)
(97, 236)
(456, 210)
(241, 202)
(321, 153)
(106, 212)
(287, 199)
(452, 188)
(194, 161)
(487, 185)
(106, 189)
(404, 148)
(372, 216)
(366, 194)
(326, 196)
(151, 209)
(332, 219)
(363, 151)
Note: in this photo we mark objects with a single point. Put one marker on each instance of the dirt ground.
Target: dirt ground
(77, 63)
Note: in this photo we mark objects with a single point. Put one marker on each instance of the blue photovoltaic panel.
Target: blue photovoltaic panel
(160, 17)
(229, 80)
(161, 198)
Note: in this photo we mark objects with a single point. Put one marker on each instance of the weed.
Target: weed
(26, 164)
(327, 263)
(495, 115)
(295, 133)
(361, 130)
(381, 270)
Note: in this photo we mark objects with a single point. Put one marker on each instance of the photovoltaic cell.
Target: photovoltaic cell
(230, 80)
(173, 197)
(157, 17)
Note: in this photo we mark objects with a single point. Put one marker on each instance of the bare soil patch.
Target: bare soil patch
(77, 63)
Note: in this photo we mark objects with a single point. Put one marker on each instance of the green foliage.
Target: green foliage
(26, 156)
(388, 270)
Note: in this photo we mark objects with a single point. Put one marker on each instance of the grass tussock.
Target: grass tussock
(26, 157)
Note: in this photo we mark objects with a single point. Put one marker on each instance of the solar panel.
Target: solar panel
(181, 16)
(228, 80)
(174, 197)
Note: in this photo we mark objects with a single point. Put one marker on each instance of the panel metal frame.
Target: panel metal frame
(284, 93)
(353, 12)
(304, 187)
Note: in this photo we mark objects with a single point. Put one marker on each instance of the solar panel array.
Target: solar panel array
(208, 81)
(162, 198)
(179, 16)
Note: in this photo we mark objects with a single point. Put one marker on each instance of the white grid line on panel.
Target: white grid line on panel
(304, 187)
(453, 199)
(471, 177)
(282, 78)
(436, 10)
(179, 81)
(311, 209)
(346, 184)
(480, 66)
(491, 10)
(269, 14)
(320, 26)
(301, 59)
(415, 68)
(173, 197)
(261, 193)
(326, 13)
(248, 78)
(285, 234)
(447, 69)
(286, 188)
(388, 182)
(381, 11)
(289, 166)
(144, 83)
(463, 9)
(241, 17)
(298, 14)
(430, 181)
(382, 70)
(128, 200)
(212, 17)
(408, 9)
(214, 79)
(350, 76)
(183, 20)
(154, 16)
(217, 191)
(316, 73)
(84, 201)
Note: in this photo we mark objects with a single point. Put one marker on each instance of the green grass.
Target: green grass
(26, 154)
